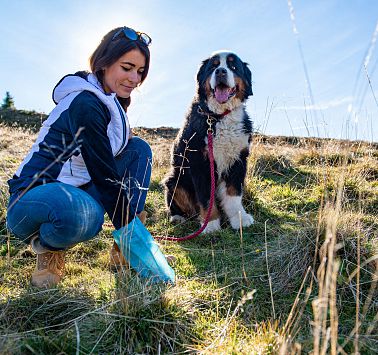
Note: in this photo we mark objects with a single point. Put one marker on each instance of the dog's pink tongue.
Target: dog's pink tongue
(221, 94)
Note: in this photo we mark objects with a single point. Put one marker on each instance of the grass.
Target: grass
(302, 279)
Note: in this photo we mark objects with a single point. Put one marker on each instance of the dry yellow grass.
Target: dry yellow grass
(314, 242)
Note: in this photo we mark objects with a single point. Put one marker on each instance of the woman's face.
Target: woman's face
(125, 74)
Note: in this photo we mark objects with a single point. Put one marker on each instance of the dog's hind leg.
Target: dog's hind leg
(179, 200)
(177, 214)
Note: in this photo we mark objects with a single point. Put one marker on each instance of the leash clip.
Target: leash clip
(210, 124)
(209, 119)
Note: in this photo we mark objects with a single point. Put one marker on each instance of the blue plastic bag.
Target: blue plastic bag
(141, 251)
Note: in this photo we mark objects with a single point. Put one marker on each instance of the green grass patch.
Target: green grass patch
(235, 290)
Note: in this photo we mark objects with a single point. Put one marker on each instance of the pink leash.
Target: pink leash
(212, 192)
(212, 175)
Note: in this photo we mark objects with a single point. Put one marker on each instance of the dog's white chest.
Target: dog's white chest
(228, 142)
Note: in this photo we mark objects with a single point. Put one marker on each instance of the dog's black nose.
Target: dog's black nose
(220, 72)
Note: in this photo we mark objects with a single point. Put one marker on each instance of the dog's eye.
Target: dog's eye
(232, 67)
(216, 63)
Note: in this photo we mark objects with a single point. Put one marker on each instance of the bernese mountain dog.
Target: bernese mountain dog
(224, 85)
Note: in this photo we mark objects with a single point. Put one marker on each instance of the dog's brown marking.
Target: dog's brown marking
(208, 87)
(184, 201)
(216, 61)
(214, 212)
(231, 191)
(205, 152)
(241, 88)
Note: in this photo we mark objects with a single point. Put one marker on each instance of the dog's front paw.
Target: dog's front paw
(212, 226)
(246, 220)
(176, 219)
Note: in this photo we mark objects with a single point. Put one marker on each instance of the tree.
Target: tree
(8, 101)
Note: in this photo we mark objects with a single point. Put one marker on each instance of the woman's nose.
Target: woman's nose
(134, 77)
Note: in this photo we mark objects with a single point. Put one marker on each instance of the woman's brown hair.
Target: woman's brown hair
(110, 50)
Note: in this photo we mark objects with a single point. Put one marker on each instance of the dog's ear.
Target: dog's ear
(248, 80)
(201, 78)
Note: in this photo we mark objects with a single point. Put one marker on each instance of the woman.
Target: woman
(84, 161)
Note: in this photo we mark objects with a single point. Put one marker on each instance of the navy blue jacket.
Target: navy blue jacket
(77, 144)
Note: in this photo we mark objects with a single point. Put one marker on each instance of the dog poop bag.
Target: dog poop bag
(141, 251)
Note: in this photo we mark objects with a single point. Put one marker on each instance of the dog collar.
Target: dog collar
(213, 115)
(225, 113)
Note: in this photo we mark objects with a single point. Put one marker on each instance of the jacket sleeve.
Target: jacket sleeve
(91, 117)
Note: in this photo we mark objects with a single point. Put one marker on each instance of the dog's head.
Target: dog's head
(224, 81)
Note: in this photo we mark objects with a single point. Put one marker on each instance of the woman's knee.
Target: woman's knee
(63, 215)
(23, 219)
(141, 146)
(66, 230)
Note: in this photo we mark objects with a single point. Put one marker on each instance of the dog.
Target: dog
(224, 83)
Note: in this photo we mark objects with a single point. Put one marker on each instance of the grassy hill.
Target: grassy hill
(303, 278)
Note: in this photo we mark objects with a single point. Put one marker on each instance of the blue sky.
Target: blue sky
(42, 40)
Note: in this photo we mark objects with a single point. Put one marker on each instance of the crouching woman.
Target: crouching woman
(85, 161)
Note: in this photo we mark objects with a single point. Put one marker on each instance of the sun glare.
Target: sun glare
(84, 42)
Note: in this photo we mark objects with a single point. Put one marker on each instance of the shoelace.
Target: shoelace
(53, 261)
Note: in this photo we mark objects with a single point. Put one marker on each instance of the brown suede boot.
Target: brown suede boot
(50, 266)
(116, 258)
(142, 216)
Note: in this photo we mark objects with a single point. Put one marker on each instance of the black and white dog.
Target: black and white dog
(224, 85)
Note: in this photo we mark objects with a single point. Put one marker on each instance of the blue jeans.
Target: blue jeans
(64, 215)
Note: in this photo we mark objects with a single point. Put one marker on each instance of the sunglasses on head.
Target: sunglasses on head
(133, 35)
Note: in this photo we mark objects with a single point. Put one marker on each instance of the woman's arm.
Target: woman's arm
(89, 114)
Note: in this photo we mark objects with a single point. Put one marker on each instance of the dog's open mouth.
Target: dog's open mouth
(223, 93)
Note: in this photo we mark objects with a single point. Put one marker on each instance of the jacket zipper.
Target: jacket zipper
(123, 119)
